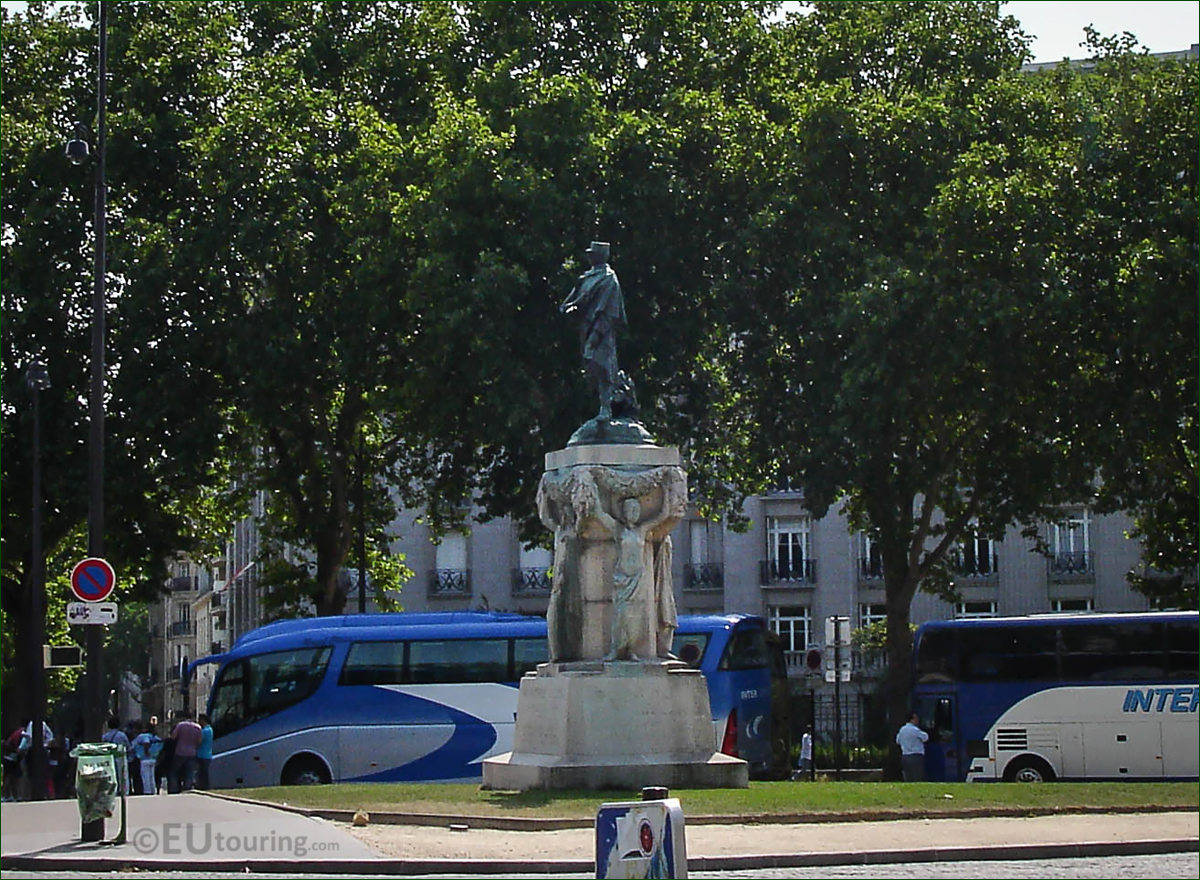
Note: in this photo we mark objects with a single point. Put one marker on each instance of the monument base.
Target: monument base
(604, 725)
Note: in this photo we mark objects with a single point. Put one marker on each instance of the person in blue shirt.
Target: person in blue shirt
(911, 739)
(146, 748)
(204, 753)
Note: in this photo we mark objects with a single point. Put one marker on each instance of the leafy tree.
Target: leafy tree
(163, 453)
(924, 345)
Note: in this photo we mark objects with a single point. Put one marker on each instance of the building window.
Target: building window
(870, 561)
(975, 609)
(793, 625)
(533, 572)
(976, 555)
(451, 576)
(1072, 606)
(875, 612)
(789, 553)
(1071, 551)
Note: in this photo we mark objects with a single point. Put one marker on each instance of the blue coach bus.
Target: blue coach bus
(429, 696)
(1087, 696)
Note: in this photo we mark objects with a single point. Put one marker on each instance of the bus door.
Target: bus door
(943, 753)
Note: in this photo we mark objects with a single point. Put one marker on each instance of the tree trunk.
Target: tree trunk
(899, 673)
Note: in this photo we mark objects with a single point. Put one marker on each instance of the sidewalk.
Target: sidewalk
(214, 834)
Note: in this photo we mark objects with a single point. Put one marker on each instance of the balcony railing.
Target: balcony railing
(183, 584)
(449, 583)
(703, 576)
(215, 600)
(182, 628)
(870, 569)
(1074, 566)
(800, 573)
(531, 581)
(979, 568)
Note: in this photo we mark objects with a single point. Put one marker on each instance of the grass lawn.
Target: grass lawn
(761, 798)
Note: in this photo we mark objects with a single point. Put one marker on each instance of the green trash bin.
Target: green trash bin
(100, 770)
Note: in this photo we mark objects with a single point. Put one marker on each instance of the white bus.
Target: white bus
(1072, 697)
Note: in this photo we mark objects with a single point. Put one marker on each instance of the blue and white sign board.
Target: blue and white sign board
(641, 839)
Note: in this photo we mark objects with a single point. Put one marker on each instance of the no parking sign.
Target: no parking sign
(92, 580)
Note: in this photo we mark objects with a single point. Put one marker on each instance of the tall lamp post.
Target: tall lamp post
(38, 381)
(77, 152)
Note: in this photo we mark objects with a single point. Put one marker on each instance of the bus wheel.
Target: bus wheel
(1028, 768)
(304, 770)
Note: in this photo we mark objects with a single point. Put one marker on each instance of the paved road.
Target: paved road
(1161, 867)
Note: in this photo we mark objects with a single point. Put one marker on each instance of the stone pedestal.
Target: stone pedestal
(613, 725)
(611, 709)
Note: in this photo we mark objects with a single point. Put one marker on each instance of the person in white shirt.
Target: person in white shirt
(804, 769)
(911, 739)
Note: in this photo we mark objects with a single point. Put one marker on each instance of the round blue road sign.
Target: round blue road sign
(92, 580)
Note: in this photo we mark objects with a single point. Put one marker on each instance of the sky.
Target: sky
(1159, 25)
(1057, 25)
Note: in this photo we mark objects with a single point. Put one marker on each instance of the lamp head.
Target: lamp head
(77, 147)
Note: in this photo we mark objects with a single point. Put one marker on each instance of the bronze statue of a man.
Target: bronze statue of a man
(597, 298)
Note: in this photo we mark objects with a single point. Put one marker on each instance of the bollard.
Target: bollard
(641, 838)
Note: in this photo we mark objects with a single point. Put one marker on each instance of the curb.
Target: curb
(513, 823)
(581, 866)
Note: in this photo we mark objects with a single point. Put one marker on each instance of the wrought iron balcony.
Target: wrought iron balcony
(703, 576)
(983, 568)
(531, 581)
(183, 584)
(870, 569)
(1071, 567)
(216, 600)
(449, 583)
(182, 628)
(798, 573)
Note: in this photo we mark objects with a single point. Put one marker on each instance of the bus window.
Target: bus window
(527, 654)
(935, 656)
(747, 650)
(690, 647)
(374, 663)
(1181, 650)
(457, 660)
(1005, 653)
(284, 678)
(1112, 652)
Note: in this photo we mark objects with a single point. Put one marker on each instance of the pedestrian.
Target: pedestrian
(187, 735)
(13, 761)
(204, 753)
(162, 767)
(147, 746)
(116, 735)
(935, 756)
(804, 768)
(132, 731)
(911, 739)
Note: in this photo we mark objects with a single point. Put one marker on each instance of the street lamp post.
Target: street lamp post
(77, 153)
(38, 381)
